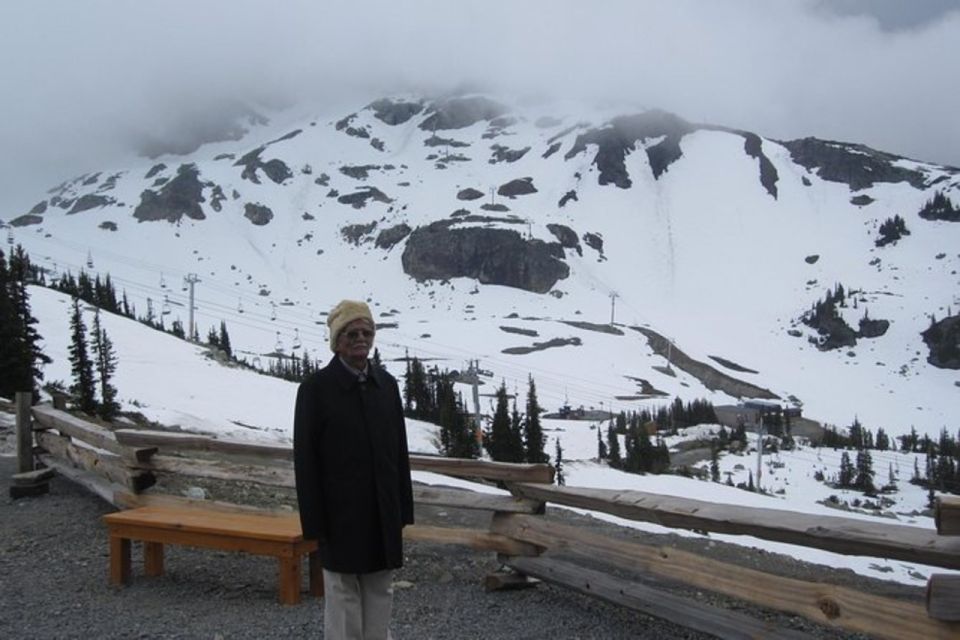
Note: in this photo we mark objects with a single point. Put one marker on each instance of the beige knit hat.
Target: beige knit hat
(343, 314)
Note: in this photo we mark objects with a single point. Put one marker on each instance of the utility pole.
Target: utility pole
(474, 372)
(191, 279)
(613, 305)
(759, 447)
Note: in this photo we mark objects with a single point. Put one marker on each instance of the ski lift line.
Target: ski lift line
(521, 373)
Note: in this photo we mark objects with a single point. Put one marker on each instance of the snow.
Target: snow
(704, 255)
(176, 383)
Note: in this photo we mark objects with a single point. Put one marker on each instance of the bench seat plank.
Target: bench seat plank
(272, 535)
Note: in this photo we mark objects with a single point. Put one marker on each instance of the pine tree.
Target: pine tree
(558, 462)
(80, 364)
(497, 441)
(847, 471)
(20, 355)
(533, 439)
(601, 445)
(864, 473)
(517, 453)
(106, 365)
(224, 340)
(714, 462)
(613, 447)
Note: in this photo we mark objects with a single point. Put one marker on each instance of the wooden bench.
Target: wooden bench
(271, 535)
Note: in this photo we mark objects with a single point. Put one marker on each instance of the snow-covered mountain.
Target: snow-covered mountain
(514, 233)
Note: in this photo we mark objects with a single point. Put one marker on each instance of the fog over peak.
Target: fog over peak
(88, 83)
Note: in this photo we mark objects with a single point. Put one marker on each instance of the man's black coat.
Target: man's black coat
(352, 468)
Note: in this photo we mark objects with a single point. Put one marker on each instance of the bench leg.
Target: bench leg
(316, 575)
(153, 558)
(290, 579)
(119, 560)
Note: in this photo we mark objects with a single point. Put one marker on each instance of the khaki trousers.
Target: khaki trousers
(357, 606)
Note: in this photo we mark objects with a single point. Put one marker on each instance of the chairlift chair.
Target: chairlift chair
(296, 339)
(165, 310)
(239, 306)
(279, 346)
(273, 312)
(89, 260)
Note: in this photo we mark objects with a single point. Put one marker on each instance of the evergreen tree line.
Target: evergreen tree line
(21, 358)
(511, 437)
(942, 468)
(940, 207)
(639, 453)
(100, 293)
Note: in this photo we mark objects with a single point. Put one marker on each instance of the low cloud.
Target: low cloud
(91, 81)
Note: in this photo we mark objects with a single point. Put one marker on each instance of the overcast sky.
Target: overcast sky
(84, 82)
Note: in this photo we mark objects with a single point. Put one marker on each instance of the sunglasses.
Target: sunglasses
(354, 334)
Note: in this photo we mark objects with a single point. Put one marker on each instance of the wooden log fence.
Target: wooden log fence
(121, 465)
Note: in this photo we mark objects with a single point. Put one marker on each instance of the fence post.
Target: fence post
(24, 432)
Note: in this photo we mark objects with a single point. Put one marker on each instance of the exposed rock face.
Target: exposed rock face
(854, 164)
(458, 113)
(387, 238)
(154, 170)
(618, 139)
(872, 328)
(437, 141)
(26, 220)
(518, 187)
(594, 241)
(505, 154)
(753, 146)
(40, 208)
(258, 214)
(492, 256)
(943, 340)
(358, 199)
(567, 197)
(394, 113)
(90, 201)
(567, 237)
(361, 172)
(469, 194)
(275, 169)
(108, 225)
(354, 233)
(177, 198)
(551, 150)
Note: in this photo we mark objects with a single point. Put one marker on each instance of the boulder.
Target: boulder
(179, 197)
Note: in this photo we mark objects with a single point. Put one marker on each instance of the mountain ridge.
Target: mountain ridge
(685, 226)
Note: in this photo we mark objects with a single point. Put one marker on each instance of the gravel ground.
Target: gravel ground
(54, 563)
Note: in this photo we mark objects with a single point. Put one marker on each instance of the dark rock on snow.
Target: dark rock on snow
(258, 214)
(492, 256)
(387, 238)
(518, 187)
(179, 197)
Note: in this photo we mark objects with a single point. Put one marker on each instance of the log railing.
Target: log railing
(121, 465)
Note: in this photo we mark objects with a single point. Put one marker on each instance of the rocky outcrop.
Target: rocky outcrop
(90, 201)
(567, 197)
(505, 154)
(437, 141)
(943, 340)
(492, 256)
(856, 165)
(594, 241)
(275, 169)
(387, 238)
(358, 199)
(615, 141)
(753, 147)
(39, 209)
(518, 187)
(154, 170)
(566, 236)
(354, 233)
(177, 198)
(457, 113)
(258, 214)
(394, 113)
(26, 220)
(469, 194)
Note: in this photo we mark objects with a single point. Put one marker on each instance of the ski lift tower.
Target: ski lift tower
(190, 280)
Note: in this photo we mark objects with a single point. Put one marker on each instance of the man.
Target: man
(353, 477)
